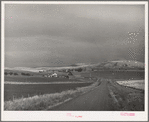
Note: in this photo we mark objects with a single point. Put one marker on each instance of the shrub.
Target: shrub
(69, 73)
(15, 73)
(79, 69)
(11, 73)
(6, 73)
(26, 74)
(22, 73)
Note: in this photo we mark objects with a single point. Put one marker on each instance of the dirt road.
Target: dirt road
(108, 96)
(98, 99)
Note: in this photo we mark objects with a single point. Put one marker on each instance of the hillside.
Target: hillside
(120, 65)
(108, 65)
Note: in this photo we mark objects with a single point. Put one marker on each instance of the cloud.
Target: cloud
(71, 33)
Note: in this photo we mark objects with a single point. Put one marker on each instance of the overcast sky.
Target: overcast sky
(59, 35)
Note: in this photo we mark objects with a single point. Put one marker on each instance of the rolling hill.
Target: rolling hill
(120, 65)
(108, 65)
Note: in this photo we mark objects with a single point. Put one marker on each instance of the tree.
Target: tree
(66, 76)
(22, 73)
(11, 73)
(6, 73)
(69, 73)
(79, 69)
(15, 73)
(27, 74)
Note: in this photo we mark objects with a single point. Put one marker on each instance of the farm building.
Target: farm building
(59, 74)
(40, 71)
(53, 75)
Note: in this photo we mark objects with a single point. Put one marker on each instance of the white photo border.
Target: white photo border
(62, 115)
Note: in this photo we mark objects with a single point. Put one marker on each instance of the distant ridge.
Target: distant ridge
(107, 65)
(121, 65)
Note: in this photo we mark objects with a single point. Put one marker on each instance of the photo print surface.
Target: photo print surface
(79, 57)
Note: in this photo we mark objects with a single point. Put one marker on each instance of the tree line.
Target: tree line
(11, 73)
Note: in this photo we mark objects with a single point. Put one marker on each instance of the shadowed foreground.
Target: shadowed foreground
(108, 96)
(98, 99)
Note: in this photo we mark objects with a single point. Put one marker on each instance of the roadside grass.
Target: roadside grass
(42, 102)
(129, 98)
(34, 79)
(138, 84)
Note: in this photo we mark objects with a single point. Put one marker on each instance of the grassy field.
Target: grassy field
(35, 79)
(138, 84)
(123, 75)
(37, 74)
(38, 77)
(15, 91)
(44, 102)
(129, 99)
(12, 90)
(40, 96)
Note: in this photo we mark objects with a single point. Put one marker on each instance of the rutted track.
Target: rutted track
(108, 96)
(98, 99)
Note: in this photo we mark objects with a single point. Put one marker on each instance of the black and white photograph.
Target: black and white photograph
(74, 60)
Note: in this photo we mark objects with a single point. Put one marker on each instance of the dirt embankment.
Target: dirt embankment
(108, 96)
(128, 99)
